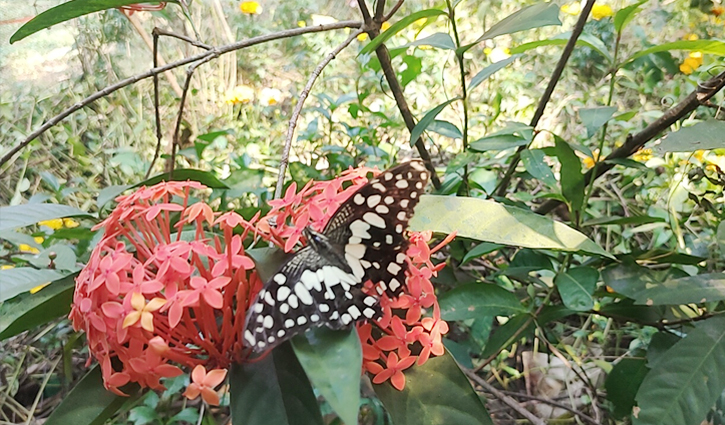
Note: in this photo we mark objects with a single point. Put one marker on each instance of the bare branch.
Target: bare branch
(298, 109)
(553, 81)
(216, 51)
(584, 416)
(157, 112)
(504, 398)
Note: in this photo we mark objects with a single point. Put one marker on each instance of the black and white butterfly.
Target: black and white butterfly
(322, 282)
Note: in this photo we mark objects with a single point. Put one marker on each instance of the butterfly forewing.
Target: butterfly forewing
(322, 283)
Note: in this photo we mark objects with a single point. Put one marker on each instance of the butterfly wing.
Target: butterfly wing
(370, 225)
(306, 291)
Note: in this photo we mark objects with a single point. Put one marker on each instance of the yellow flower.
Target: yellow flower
(250, 8)
(362, 36)
(55, 224)
(699, 154)
(143, 311)
(384, 26)
(497, 54)
(717, 10)
(589, 161)
(39, 239)
(691, 37)
(240, 94)
(301, 24)
(270, 96)
(691, 63)
(600, 11)
(70, 223)
(39, 287)
(643, 155)
(28, 249)
(6, 267)
(572, 8)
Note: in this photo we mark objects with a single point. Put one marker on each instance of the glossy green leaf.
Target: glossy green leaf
(519, 326)
(333, 362)
(488, 71)
(572, 179)
(594, 118)
(65, 12)
(427, 119)
(587, 40)
(619, 221)
(480, 250)
(625, 15)
(686, 381)
(710, 47)
(89, 403)
(22, 279)
(273, 390)
(24, 215)
(696, 289)
(27, 311)
(513, 135)
(475, 300)
(445, 128)
(490, 221)
(623, 382)
(534, 16)
(703, 135)
(436, 393)
(204, 177)
(440, 40)
(576, 287)
(533, 160)
(397, 27)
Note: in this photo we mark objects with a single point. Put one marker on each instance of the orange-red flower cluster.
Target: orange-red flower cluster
(169, 283)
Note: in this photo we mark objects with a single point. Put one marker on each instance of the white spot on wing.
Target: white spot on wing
(301, 320)
(394, 284)
(401, 184)
(282, 293)
(389, 200)
(354, 311)
(293, 301)
(382, 209)
(358, 199)
(280, 278)
(360, 228)
(284, 308)
(289, 323)
(355, 265)
(404, 203)
(373, 200)
(303, 293)
(401, 215)
(374, 219)
(357, 250)
(268, 322)
(249, 337)
(394, 268)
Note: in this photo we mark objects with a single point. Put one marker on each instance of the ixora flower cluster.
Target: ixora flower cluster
(169, 284)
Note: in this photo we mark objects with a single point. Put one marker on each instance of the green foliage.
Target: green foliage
(624, 277)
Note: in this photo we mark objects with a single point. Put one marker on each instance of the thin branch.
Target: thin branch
(553, 81)
(634, 143)
(380, 10)
(373, 30)
(216, 51)
(189, 40)
(157, 112)
(393, 10)
(298, 109)
(180, 116)
(584, 416)
(504, 398)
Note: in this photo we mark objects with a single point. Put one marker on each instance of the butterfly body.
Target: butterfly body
(322, 282)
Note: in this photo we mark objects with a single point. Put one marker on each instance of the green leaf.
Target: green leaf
(587, 40)
(703, 135)
(333, 362)
(427, 119)
(594, 118)
(576, 287)
(273, 390)
(22, 279)
(687, 380)
(572, 179)
(27, 214)
(204, 177)
(534, 16)
(514, 134)
(618, 221)
(533, 160)
(65, 12)
(89, 403)
(514, 330)
(697, 289)
(711, 47)
(490, 221)
(27, 311)
(480, 250)
(475, 300)
(397, 27)
(414, 66)
(622, 384)
(436, 393)
(623, 16)
(445, 128)
(440, 40)
(488, 71)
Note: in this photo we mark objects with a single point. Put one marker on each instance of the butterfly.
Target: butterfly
(321, 284)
